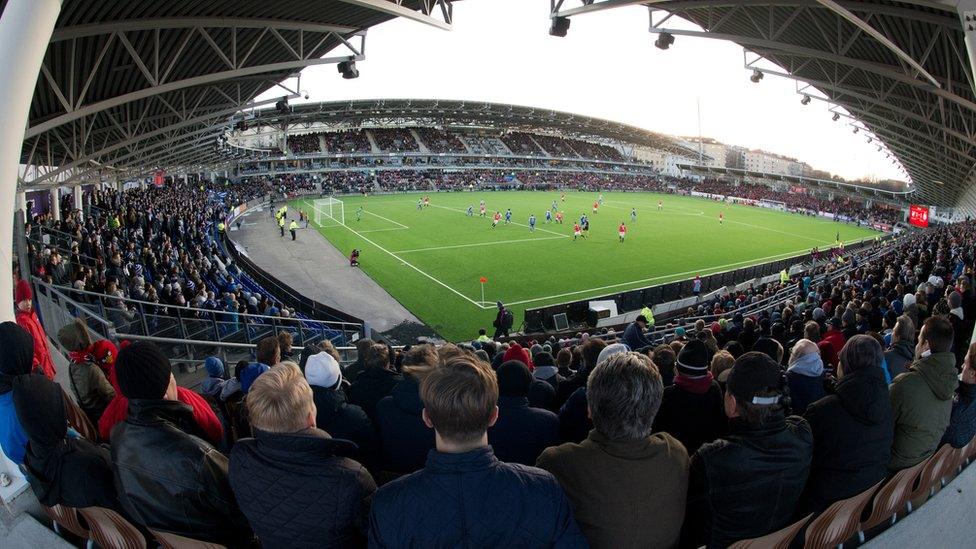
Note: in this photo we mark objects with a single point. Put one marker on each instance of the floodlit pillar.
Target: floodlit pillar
(20, 205)
(76, 198)
(25, 30)
(56, 203)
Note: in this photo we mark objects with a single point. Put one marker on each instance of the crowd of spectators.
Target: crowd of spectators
(521, 144)
(555, 146)
(306, 143)
(346, 141)
(863, 370)
(485, 144)
(441, 141)
(394, 139)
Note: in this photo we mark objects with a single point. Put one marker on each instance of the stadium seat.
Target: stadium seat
(840, 521)
(969, 451)
(930, 479)
(111, 531)
(777, 540)
(78, 420)
(173, 541)
(67, 518)
(892, 498)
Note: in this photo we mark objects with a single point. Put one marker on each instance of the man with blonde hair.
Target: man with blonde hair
(292, 480)
(464, 496)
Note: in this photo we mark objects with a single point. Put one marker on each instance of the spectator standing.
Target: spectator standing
(748, 484)
(627, 486)
(163, 466)
(295, 483)
(691, 409)
(921, 398)
(962, 421)
(521, 432)
(464, 495)
(852, 429)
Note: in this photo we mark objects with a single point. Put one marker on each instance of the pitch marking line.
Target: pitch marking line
(412, 266)
(401, 225)
(710, 270)
(379, 230)
(494, 243)
(513, 222)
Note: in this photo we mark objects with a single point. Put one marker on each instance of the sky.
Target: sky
(607, 67)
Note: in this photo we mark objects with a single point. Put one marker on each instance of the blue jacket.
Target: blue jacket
(251, 373)
(473, 500)
(804, 390)
(522, 432)
(13, 440)
(634, 337)
(962, 424)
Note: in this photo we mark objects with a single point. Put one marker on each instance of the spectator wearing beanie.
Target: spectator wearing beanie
(92, 390)
(691, 409)
(295, 483)
(399, 417)
(805, 375)
(852, 429)
(27, 319)
(521, 432)
(747, 484)
(163, 464)
(574, 417)
(627, 486)
(333, 414)
(517, 352)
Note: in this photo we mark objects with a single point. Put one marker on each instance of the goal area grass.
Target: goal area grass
(432, 258)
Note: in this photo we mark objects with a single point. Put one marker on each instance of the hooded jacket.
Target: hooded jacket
(899, 357)
(301, 489)
(405, 438)
(805, 380)
(921, 400)
(342, 420)
(16, 361)
(522, 432)
(692, 411)
(852, 434)
(371, 386)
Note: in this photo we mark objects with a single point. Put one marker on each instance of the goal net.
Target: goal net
(329, 211)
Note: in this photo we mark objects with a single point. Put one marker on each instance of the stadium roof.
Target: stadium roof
(434, 112)
(150, 82)
(898, 71)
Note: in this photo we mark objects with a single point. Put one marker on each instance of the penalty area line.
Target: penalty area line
(414, 267)
(475, 244)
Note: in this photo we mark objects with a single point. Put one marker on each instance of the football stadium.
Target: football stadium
(271, 308)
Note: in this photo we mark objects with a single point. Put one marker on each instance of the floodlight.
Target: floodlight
(805, 100)
(559, 27)
(836, 117)
(757, 75)
(664, 41)
(348, 69)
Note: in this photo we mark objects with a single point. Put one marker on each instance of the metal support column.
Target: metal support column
(56, 203)
(25, 29)
(76, 194)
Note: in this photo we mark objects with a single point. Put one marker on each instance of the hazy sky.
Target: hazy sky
(608, 67)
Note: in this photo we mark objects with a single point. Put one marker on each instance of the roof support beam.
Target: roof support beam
(80, 31)
(396, 9)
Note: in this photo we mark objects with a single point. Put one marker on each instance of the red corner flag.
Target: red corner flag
(483, 280)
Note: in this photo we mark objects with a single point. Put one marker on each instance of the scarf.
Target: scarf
(697, 385)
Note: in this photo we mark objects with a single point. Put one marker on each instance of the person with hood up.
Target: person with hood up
(852, 429)
(27, 319)
(16, 363)
(399, 416)
(691, 409)
(546, 370)
(902, 351)
(921, 398)
(213, 384)
(91, 388)
(63, 470)
(805, 375)
(521, 432)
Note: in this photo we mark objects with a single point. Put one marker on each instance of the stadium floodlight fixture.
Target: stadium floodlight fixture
(836, 117)
(856, 129)
(757, 75)
(870, 140)
(805, 100)
(664, 40)
(559, 27)
(348, 69)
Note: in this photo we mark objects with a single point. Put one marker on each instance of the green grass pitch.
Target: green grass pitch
(431, 260)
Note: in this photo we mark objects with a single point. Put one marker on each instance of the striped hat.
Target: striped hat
(694, 358)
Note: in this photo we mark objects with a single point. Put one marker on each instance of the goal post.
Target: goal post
(329, 211)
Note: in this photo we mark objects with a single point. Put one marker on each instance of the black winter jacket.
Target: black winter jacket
(522, 432)
(404, 436)
(173, 481)
(962, 424)
(694, 418)
(370, 387)
(852, 434)
(300, 490)
(747, 484)
(346, 421)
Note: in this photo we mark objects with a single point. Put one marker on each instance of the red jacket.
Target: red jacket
(42, 358)
(836, 338)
